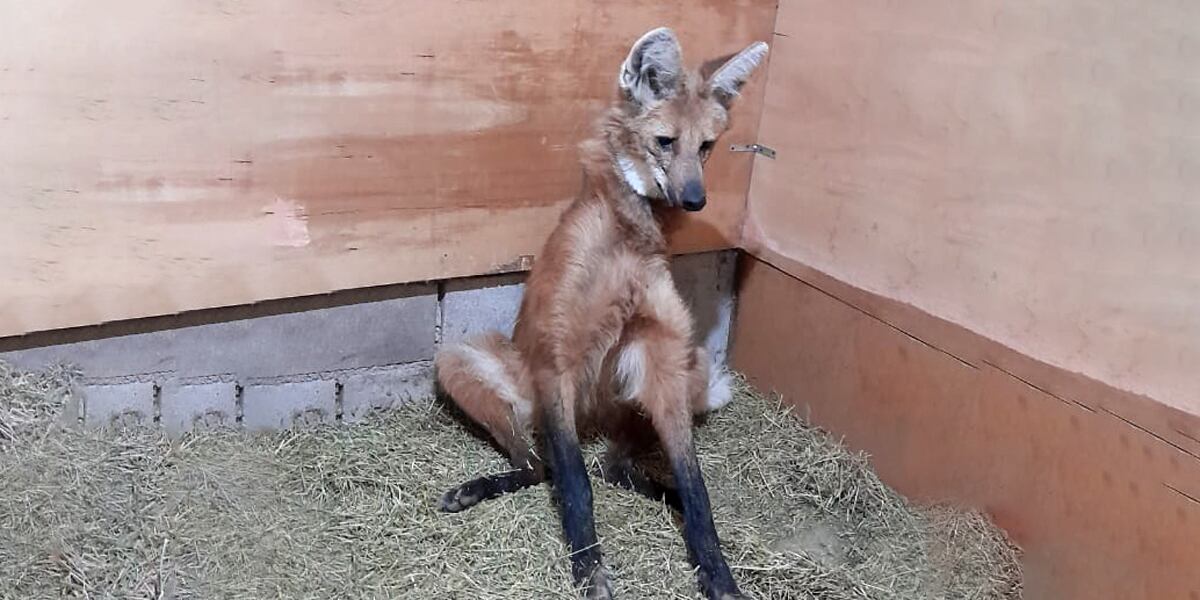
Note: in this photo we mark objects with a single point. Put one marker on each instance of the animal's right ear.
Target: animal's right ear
(651, 72)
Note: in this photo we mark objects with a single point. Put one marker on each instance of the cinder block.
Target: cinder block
(72, 410)
(104, 358)
(122, 405)
(706, 283)
(385, 387)
(479, 304)
(282, 405)
(186, 407)
(398, 330)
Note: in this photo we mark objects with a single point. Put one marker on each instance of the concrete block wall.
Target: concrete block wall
(319, 361)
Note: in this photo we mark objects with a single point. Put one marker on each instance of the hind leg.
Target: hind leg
(486, 379)
(631, 438)
(466, 495)
(631, 435)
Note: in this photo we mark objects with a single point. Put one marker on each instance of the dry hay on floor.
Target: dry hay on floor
(349, 512)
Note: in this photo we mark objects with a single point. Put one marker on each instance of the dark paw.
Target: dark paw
(598, 585)
(726, 593)
(457, 500)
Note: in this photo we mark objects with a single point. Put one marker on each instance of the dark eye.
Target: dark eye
(665, 142)
(706, 147)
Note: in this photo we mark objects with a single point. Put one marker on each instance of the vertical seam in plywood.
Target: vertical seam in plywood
(730, 296)
(762, 109)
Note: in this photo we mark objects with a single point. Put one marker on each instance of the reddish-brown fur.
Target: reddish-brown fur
(603, 344)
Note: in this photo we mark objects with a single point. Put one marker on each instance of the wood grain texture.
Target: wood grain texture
(1100, 488)
(158, 157)
(1028, 170)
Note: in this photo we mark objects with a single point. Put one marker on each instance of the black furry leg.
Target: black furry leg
(574, 494)
(485, 488)
(699, 531)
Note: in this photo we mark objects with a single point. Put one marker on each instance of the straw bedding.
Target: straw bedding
(349, 512)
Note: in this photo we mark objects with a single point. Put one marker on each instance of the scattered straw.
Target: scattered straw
(349, 512)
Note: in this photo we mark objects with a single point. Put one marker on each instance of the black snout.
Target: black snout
(692, 198)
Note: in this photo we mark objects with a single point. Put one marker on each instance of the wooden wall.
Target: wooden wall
(158, 157)
(1027, 169)
(977, 260)
(1099, 488)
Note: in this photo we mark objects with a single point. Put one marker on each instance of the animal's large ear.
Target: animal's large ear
(727, 80)
(652, 70)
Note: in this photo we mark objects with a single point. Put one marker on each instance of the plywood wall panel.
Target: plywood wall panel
(1026, 169)
(1102, 498)
(158, 157)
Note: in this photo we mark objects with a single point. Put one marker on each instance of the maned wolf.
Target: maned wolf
(603, 342)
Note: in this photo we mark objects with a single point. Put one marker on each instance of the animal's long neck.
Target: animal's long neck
(635, 213)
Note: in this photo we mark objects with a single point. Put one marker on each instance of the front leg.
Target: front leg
(666, 400)
(700, 533)
(574, 493)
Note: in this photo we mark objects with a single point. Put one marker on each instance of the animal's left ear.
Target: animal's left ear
(727, 80)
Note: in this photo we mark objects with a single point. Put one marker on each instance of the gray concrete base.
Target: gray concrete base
(334, 358)
(381, 388)
(184, 407)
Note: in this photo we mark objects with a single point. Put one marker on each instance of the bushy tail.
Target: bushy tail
(487, 379)
(711, 384)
